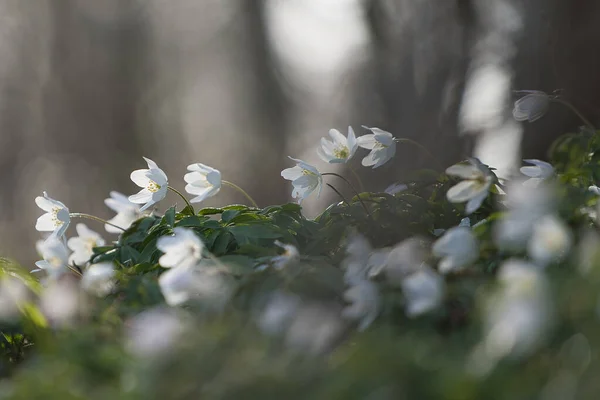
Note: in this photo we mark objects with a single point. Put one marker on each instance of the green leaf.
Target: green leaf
(221, 243)
(170, 217)
(238, 264)
(229, 214)
(192, 221)
(187, 211)
(129, 255)
(210, 211)
(259, 231)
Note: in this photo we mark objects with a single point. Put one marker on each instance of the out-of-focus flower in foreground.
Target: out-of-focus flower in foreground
(13, 294)
(56, 219)
(537, 172)
(183, 249)
(550, 242)
(83, 245)
(396, 188)
(289, 256)
(127, 212)
(98, 279)
(154, 332)
(154, 184)
(340, 149)
(55, 257)
(458, 248)
(202, 181)
(423, 291)
(475, 186)
(305, 179)
(364, 303)
(382, 145)
(532, 106)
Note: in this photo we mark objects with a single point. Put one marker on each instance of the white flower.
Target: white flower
(98, 279)
(127, 212)
(55, 257)
(594, 189)
(183, 249)
(532, 106)
(289, 256)
(356, 264)
(305, 179)
(404, 259)
(61, 301)
(458, 248)
(56, 219)
(551, 240)
(364, 304)
(202, 181)
(395, 188)
(538, 171)
(13, 295)
(83, 245)
(278, 313)
(154, 332)
(423, 291)
(382, 145)
(197, 283)
(154, 184)
(341, 149)
(475, 186)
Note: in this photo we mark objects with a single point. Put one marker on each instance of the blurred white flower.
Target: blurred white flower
(594, 189)
(55, 257)
(13, 294)
(56, 219)
(183, 249)
(127, 212)
(404, 259)
(551, 240)
(202, 181)
(458, 248)
(356, 263)
(201, 284)
(423, 291)
(517, 316)
(305, 179)
(289, 256)
(154, 184)
(532, 106)
(382, 145)
(364, 304)
(588, 253)
(277, 315)
(83, 245)
(152, 333)
(395, 188)
(474, 188)
(98, 279)
(61, 301)
(315, 328)
(537, 172)
(340, 149)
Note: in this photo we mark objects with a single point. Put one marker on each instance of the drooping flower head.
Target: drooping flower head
(154, 184)
(202, 181)
(340, 149)
(83, 245)
(183, 249)
(305, 179)
(537, 172)
(56, 219)
(127, 212)
(382, 145)
(532, 106)
(475, 186)
(55, 257)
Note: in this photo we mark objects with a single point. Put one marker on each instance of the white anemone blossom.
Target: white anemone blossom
(537, 172)
(458, 248)
(551, 240)
(382, 145)
(364, 303)
(55, 257)
(477, 180)
(423, 291)
(154, 184)
(83, 245)
(305, 179)
(56, 219)
(289, 256)
(202, 181)
(340, 149)
(98, 279)
(183, 249)
(532, 106)
(127, 212)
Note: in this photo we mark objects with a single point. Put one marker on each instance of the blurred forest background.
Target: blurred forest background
(89, 86)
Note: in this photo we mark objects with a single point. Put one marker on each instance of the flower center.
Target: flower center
(90, 244)
(380, 146)
(55, 220)
(341, 152)
(153, 187)
(56, 262)
(307, 172)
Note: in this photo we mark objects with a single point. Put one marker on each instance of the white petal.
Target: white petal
(118, 202)
(201, 194)
(464, 191)
(140, 178)
(337, 137)
(475, 202)
(123, 220)
(143, 196)
(465, 171)
(351, 141)
(45, 223)
(158, 176)
(366, 141)
(323, 155)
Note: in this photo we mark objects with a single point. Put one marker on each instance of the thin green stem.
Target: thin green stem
(242, 191)
(88, 216)
(351, 187)
(576, 111)
(338, 193)
(422, 148)
(182, 196)
(360, 184)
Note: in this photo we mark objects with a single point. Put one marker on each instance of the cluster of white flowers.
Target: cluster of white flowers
(339, 150)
